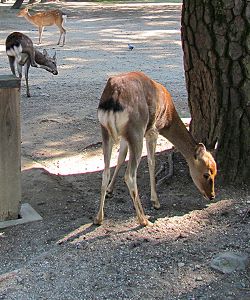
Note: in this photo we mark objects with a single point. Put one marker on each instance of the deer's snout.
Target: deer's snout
(210, 196)
(55, 72)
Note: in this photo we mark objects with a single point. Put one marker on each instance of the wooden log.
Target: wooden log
(10, 148)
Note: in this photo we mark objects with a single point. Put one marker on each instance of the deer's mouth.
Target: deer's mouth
(208, 197)
(54, 72)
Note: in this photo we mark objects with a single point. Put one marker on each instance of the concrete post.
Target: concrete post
(10, 148)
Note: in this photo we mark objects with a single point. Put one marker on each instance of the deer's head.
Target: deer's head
(50, 62)
(203, 171)
(23, 12)
(46, 62)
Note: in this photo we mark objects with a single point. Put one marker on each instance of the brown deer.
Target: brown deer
(20, 51)
(133, 106)
(45, 18)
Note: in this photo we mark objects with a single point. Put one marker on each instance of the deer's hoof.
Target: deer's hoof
(146, 222)
(109, 194)
(97, 221)
(156, 205)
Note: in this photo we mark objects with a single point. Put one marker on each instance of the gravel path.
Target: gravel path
(64, 256)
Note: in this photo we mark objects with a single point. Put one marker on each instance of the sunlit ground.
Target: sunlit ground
(48, 152)
(90, 161)
(190, 225)
(78, 164)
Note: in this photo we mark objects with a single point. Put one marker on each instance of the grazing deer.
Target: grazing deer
(20, 51)
(133, 106)
(45, 18)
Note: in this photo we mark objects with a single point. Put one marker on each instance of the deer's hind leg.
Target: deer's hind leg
(59, 23)
(62, 34)
(151, 139)
(12, 64)
(26, 73)
(121, 158)
(135, 143)
(19, 70)
(107, 144)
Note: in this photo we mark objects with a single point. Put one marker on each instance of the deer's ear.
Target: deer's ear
(54, 57)
(45, 53)
(200, 150)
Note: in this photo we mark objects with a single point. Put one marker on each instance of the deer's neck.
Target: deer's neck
(177, 133)
(29, 18)
(39, 57)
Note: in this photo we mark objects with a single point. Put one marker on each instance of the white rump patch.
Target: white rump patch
(15, 51)
(121, 119)
(11, 52)
(64, 18)
(113, 122)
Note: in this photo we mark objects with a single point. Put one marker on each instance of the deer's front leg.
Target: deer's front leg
(151, 139)
(31, 54)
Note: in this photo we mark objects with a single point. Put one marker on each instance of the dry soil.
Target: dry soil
(64, 256)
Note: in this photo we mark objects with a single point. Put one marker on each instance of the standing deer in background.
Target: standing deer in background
(20, 51)
(46, 18)
(133, 106)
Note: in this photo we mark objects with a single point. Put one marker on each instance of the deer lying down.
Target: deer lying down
(20, 51)
(132, 107)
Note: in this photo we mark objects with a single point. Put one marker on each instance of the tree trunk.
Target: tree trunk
(216, 45)
(17, 4)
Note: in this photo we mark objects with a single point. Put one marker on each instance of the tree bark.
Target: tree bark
(17, 4)
(216, 45)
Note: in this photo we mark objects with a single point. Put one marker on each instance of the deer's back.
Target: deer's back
(142, 98)
(48, 18)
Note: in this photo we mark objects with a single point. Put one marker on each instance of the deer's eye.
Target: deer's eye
(206, 176)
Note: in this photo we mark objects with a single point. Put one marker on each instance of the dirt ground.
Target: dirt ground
(64, 256)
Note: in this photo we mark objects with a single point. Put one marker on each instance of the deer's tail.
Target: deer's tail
(113, 119)
(16, 51)
(64, 16)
